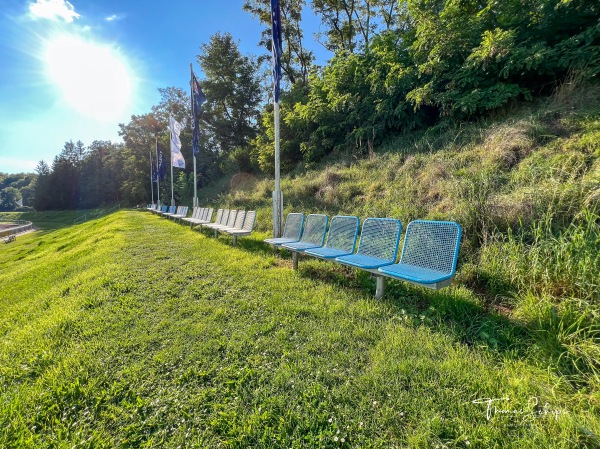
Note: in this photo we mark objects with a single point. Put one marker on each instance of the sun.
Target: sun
(93, 78)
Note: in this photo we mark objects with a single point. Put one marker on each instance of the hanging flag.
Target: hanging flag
(176, 156)
(276, 47)
(162, 167)
(197, 99)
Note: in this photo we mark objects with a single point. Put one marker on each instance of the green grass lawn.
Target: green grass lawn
(134, 331)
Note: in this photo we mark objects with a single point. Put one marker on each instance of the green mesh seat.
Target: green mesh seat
(378, 244)
(291, 231)
(313, 235)
(429, 254)
(341, 239)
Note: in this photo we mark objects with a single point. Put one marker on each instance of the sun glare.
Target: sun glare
(92, 78)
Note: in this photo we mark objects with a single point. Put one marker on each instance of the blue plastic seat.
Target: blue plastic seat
(378, 244)
(429, 254)
(292, 230)
(341, 239)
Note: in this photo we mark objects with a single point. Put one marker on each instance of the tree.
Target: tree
(8, 198)
(296, 59)
(233, 92)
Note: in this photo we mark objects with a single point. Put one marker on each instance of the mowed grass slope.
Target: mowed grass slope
(133, 331)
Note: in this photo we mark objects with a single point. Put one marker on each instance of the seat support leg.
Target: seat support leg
(379, 287)
(234, 240)
(295, 259)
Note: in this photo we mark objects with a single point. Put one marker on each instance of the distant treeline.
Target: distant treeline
(398, 66)
(16, 191)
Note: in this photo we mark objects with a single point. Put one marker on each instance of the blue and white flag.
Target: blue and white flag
(176, 156)
(276, 47)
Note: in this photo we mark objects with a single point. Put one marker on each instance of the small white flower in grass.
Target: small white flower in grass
(401, 413)
(338, 432)
(343, 440)
(330, 419)
(374, 403)
(361, 424)
(467, 443)
(335, 438)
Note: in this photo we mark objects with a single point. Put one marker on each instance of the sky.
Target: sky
(75, 70)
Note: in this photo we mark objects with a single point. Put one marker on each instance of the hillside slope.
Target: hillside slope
(526, 189)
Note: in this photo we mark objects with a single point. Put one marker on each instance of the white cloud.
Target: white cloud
(114, 18)
(53, 10)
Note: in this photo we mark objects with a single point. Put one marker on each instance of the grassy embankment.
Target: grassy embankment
(131, 331)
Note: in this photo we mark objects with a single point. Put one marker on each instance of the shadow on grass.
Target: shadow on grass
(455, 311)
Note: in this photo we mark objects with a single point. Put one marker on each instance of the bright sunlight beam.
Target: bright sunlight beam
(93, 78)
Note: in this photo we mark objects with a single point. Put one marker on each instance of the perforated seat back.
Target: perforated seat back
(208, 214)
(172, 209)
(239, 220)
(343, 232)
(224, 217)
(219, 215)
(293, 226)
(432, 244)
(249, 221)
(232, 216)
(379, 238)
(314, 229)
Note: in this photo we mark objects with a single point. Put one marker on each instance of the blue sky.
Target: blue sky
(75, 70)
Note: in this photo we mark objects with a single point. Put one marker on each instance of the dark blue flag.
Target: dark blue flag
(162, 167)
(197, 99)
(276, 47)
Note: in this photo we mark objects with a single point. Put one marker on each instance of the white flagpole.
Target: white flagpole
(171, 147)
(157, 174)
(277, 197)
(197, 124)
(151, 183)
(276, 42)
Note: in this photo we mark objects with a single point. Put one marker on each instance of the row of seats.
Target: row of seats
(237, 223)
(428, 257)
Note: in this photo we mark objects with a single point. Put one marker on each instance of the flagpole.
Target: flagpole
(157, 174)
(197, 124)
(276, 54)
(171, 147)
(151, 182)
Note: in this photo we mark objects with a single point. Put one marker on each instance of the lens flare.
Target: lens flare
(93, 78)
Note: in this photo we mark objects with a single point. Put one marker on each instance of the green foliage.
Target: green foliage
(15, 187)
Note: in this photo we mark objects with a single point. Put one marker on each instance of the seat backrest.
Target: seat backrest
(208, 212)
(232, 216)
(185, 211)
(343, 233)
(164, 208)
(239, 220)
(219, 215)
(224, 216)
(179, 209)
(432, 244)
(249, 221)
(315, 229)
(380, 238)
(199, 211)
(172, 209)
(293, 226)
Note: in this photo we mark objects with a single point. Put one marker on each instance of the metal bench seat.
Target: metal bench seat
(246, 229)
(291, 231)
(429, 254)
(378, 247)
(341, 238)
(313, 236)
